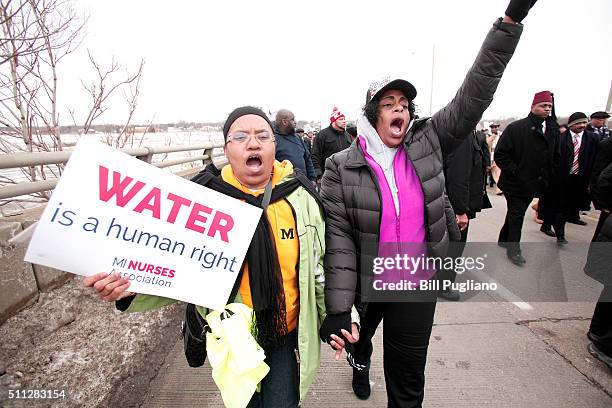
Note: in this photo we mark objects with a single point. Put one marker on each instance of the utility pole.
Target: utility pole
(433, 64)
(609, 104)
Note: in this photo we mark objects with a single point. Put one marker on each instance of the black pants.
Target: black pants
(601, 323)
(542, 202)
(455, 251)
(406, 331)
(511, 231)
(574, 190)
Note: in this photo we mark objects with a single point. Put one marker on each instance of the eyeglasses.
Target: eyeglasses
(241, 137)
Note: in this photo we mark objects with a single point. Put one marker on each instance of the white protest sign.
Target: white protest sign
(169, 236)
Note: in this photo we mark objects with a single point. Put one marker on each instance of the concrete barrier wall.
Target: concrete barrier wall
(17, 282)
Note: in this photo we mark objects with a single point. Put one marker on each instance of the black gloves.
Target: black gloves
(333, 323)
(517, 9)
(124, 303)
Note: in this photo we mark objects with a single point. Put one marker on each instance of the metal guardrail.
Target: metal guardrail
(19, 160)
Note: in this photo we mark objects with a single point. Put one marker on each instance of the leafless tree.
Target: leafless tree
(35, 36)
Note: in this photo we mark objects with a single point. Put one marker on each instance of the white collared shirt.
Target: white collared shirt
(577, 135)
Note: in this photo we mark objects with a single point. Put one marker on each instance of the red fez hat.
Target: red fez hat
(541, 97)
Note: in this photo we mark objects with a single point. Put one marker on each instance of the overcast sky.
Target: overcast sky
(204, 58)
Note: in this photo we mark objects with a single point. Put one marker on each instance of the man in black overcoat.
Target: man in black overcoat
(569, 193)
(525, 154)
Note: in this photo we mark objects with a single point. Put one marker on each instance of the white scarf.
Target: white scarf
(381, 153)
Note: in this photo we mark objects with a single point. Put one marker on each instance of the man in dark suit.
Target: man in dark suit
(577, 152)
(598, 125)
(525, 154)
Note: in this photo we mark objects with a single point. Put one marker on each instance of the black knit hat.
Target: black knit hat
(238, 112)
(577, 117)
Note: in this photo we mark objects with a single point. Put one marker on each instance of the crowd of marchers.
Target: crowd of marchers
(335, 201)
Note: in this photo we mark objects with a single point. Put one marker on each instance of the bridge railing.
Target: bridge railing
(20, 160)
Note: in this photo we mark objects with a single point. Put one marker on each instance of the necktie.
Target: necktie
(574, 169)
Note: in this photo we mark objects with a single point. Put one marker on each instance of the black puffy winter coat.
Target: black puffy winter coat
(351, 194)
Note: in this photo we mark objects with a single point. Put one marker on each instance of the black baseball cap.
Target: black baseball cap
(381, 86)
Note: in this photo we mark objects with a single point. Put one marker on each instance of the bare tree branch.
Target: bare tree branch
(35, 36)
(102, 89)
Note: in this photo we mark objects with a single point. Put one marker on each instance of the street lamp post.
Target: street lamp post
(433, 64)
(609, 103)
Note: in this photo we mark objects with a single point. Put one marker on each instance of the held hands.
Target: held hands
(517, 10)
(110, 287)
(335, 331)
(339, 343)
(462, 221)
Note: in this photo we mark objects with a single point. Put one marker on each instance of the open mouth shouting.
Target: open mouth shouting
(254, 162)
(396, 127)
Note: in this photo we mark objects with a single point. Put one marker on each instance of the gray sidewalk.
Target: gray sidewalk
(481, 354)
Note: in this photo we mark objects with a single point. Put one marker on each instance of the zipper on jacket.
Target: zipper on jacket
(296, 350)
(397, 230)
(398, 213)
(364, 305)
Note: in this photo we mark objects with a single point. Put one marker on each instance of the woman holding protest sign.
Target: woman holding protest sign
(282, 277)
(389, 189)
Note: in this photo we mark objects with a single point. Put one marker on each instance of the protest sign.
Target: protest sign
(170, 237)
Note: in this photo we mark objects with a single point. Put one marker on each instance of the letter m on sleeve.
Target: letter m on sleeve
(287, 233)
(118, 187)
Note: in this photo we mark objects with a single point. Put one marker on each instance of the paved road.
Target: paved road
(482, 354)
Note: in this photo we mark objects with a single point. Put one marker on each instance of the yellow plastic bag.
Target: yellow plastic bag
(236, 359)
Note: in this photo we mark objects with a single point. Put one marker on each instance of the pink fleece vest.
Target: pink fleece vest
(403, 233)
